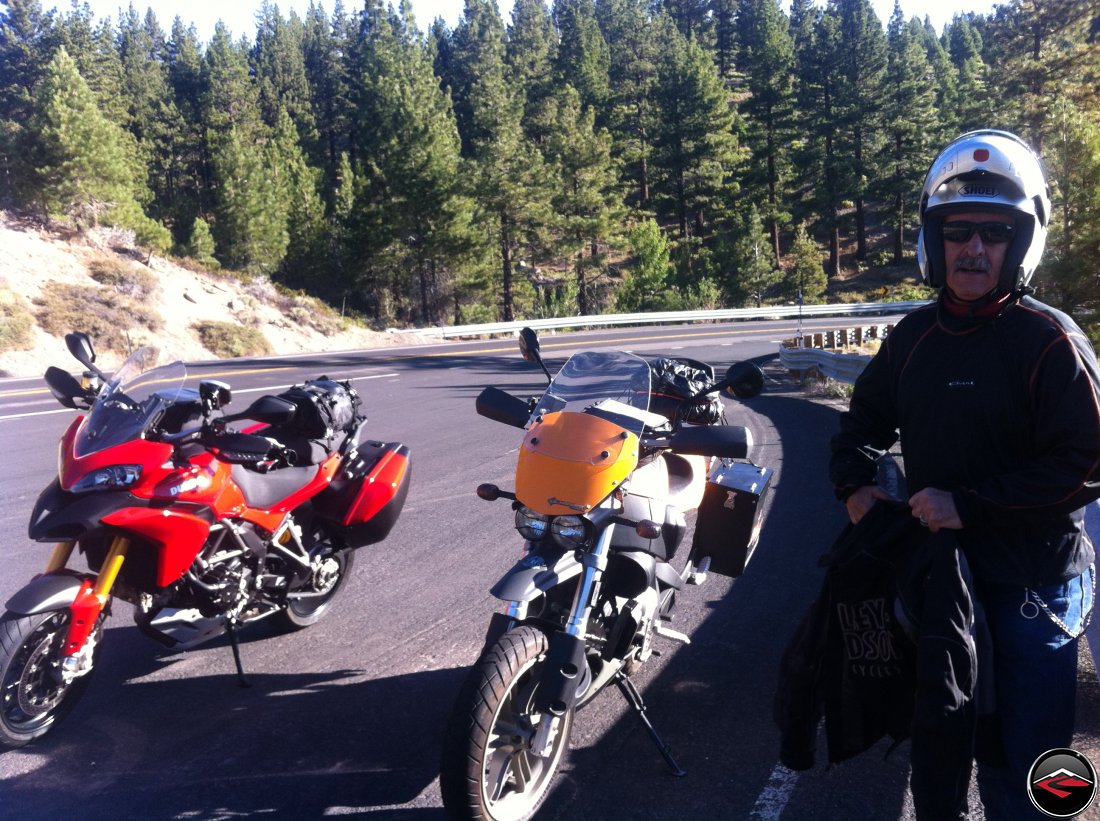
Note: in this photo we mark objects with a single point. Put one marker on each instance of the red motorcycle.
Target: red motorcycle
(201, 526)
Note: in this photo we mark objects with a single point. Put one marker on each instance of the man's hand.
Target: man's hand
(862, 499)
(935, 509)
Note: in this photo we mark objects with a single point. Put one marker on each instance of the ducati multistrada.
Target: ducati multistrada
(201, 527)
(602, 484)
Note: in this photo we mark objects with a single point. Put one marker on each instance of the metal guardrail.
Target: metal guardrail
(843, 367)
(728, 314)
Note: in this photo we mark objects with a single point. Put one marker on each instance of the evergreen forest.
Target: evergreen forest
(583, 157)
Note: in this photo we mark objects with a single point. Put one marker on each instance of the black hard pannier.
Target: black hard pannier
(325, 408)
(676, 379)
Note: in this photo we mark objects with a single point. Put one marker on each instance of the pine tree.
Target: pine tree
(862, 65)
(298, 187)
(586, 203)
(963, 46)
(694, 144)
(324, 51)
(251, 226)
(632, 77)
(647, 288)
(754, 269)
(805, 279)
(28, 40)
(279, 67)
(908, 112)
(511, 183)
(83, 163)
(583, 59)
(767, 58)
(530, 52)
(818, 108)
(1069, 272)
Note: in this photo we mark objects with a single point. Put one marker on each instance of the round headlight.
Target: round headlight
(569, 532)
(531, 525)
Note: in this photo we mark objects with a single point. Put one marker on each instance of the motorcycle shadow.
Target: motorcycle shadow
(177, 744)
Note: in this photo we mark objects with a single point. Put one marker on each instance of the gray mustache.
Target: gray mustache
(974, 264)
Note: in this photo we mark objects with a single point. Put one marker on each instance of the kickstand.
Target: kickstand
(231, 628)
(634, 699)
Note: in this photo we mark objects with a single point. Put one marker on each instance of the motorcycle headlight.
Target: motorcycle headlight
(569, 532)
(531, 525)
(108, 478)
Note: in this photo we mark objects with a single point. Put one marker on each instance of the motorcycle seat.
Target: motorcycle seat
(265, 490)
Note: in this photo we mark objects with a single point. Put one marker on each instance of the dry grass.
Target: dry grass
(227, 340)
(124, 276)
(104, 314)
(16, 322)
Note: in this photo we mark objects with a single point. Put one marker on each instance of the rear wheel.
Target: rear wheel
(490, 770)
(34, 694)
(306, 604)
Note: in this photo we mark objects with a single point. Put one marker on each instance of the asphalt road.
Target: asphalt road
(346, 718)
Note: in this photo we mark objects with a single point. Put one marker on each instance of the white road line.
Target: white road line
(34, 413)
(773, 798)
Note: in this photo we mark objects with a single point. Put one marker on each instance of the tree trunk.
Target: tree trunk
(582, 289)
(507, 308)
(899, 231)
(834, 251)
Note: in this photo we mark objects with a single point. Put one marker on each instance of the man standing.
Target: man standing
(995, 398)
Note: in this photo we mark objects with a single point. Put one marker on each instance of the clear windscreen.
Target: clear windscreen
(609, 381)
(131, 401)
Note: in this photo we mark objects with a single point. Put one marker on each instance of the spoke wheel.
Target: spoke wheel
(489, 769)
(33, 693)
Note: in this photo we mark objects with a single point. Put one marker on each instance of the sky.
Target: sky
(239, 15)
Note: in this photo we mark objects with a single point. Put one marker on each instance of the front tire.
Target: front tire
(489, 771)
(33, 693)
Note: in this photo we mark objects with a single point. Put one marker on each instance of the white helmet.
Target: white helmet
(986, 171)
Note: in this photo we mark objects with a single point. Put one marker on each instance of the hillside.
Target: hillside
(36, 266)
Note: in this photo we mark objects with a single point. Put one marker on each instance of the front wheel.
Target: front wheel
(490, 770)
(34, 692)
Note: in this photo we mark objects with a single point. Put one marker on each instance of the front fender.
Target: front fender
(534, 574)
(54, 591)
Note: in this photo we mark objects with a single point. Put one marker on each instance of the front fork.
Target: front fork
(92, 597)
(565, 661)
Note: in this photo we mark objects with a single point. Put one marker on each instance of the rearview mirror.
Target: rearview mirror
(80, 346)
(744, 380)
(529, 345)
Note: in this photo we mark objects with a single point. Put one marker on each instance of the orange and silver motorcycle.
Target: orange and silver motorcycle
(601, 488)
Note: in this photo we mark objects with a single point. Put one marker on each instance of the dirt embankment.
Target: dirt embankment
(31, 258)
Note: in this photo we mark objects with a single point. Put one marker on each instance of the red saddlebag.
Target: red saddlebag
(367, 494)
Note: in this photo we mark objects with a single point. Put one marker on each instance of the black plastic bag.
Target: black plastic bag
(674, 380)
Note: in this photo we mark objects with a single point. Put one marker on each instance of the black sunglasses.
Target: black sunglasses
(993, 233)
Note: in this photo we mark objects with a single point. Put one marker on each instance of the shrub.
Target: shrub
(16, 322)
(226, 340)
(124, 277)
(104, 314)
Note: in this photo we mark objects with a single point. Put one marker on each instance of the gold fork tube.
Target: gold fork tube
(60, 556)
(111, 565)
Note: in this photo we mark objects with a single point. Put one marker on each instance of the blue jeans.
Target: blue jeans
(1034, 681)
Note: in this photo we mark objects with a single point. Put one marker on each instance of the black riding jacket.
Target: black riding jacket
(1003, 411)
